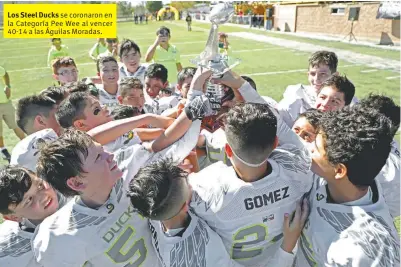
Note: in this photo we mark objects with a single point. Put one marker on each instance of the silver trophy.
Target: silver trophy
(210, 58)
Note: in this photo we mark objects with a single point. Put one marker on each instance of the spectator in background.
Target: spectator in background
(99, 48)
(112, 48)
(7, 113)
(56, 50)
(162, 52)
(189, 22)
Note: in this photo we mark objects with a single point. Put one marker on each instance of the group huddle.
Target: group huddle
(126, 169)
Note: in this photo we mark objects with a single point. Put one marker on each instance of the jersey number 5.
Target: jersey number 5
(239, 250)
(120, 252)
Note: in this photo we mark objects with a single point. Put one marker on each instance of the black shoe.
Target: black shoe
(6, 155)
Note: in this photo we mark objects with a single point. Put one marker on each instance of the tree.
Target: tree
(125, 8)
(154, 6)
(181, 5)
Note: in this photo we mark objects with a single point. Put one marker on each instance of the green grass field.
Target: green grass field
(25, 61)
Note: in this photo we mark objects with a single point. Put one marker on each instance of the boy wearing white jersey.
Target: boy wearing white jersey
(299, 98)
(84, 112)
(25, 200)
(160, 191)
(99, 221)
(350, 223)
(130, 56)
(109, 74)
(245, 204)
(36, 117)
(155, 81)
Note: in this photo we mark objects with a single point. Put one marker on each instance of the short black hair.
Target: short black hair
(72, 109)
(15, 181)
(61, 159)
(163, 29)
(103, 60)
(157, 71)
(129, 83)
(358, 137)
(54, 39)
(187, 72)
(127, 45)
(343, 85)
(324, 57)
(31, 106)
(158, 190)
(384, 105)
(251, 131)
(313, 116)
(250, 81)
(124, 111)
(81, 86)
(55, 93)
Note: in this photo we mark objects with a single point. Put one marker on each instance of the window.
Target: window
(338, 10)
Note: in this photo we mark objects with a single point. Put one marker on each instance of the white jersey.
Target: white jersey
(106, 99)
(26, 152)
(139, 73)
(249, 216)
(128, 139)
(354, 236)
(389, 179)
(196, 246)
(215, 146)
(159, 105)
(296, 100)
(15, 246)
(113, 235)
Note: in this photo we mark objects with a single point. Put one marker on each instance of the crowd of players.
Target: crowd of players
(125, 170)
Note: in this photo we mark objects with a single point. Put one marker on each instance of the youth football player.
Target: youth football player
(245, 203)
(160, 192)
(25, 201)
(100, 221)
(350, 223)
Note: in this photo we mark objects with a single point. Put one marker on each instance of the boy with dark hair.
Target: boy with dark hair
(79, 167)
(109, 74)
(25, 201)
(265, 180)
(161, 192)
(161, 51)
(130, 56)
(184, 79)
(82, 87)
(299, 98)
(56, 50)
(336, 93)
(64, 70)
(131, 93)
(389, 176)
(36, 117)
(351, 147)
(155, 81)
(124, 112)
(306, 124)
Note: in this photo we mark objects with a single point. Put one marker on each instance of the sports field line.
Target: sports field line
(368, 71)
(393, 77)
(187, 55)
(289, 71)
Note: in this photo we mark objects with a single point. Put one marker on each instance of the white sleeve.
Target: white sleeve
(128, 139)
(284, 110)
(181, 148)
(250, 95)
(92, 51)
(284, 132)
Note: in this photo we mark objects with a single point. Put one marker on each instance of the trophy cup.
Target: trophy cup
(210, 57)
